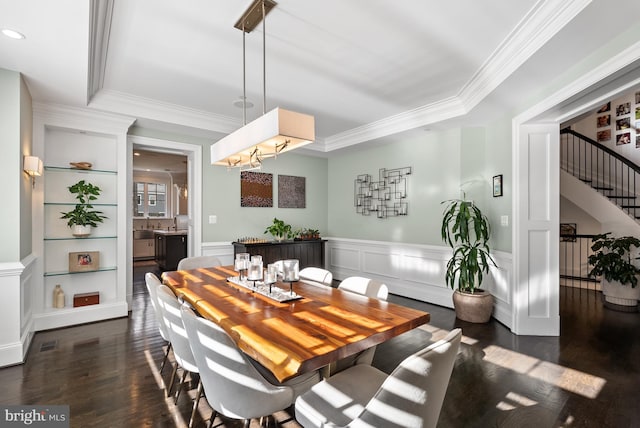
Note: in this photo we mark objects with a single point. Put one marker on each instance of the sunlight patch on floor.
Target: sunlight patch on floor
(514, 400)
(571, 380)
(439, 334)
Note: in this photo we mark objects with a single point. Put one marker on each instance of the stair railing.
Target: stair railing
(605, 170)
(574, 262)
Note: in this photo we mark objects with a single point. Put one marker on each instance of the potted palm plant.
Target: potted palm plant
(466, 230)
(83, 216)
(613, 260)
(280, 230)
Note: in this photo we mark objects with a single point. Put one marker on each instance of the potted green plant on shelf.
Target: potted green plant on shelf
(280, 230)
(613, 260)
(308, 234)
(83, 216)
(466, 230)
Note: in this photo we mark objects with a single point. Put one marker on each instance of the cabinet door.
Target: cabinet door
(176, 250)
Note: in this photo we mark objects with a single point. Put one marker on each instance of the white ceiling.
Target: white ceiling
(365, 69)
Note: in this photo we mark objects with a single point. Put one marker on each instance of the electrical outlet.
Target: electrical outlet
(213, 219)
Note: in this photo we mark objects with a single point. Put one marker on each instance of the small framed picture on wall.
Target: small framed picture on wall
(497, 185)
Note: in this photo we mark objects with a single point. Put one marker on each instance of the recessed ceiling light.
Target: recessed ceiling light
(13, 34)
(136, 154)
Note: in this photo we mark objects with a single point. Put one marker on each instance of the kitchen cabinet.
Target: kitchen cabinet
(308, 253)
(170, 248)
(143, 249)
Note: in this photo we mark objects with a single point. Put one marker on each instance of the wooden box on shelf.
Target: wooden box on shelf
(86, 299)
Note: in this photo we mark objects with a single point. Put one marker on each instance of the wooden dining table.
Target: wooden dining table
(298, 336)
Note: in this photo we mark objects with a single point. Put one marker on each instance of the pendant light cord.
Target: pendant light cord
(264, 60)
(244, 80)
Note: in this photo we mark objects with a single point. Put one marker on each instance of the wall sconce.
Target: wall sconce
(33, 167)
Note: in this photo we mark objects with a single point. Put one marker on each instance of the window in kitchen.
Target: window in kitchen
(150, 200)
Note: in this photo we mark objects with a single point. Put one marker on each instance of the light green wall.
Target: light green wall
(11, 175)
(221, 197)
(26, 133)
(435, 160)
(221, 194)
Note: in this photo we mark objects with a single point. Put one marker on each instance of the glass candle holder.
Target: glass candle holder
(291, 270)
(241, 264)
(271, 275)
(255, 270)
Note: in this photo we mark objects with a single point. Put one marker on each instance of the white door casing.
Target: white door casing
(537, 217)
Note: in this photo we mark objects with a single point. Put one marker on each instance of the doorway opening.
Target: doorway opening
(164, 180)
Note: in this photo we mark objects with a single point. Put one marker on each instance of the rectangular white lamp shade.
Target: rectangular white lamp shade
(32, 165)
(266, 133)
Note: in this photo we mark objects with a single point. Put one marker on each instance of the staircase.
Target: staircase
(606, 171)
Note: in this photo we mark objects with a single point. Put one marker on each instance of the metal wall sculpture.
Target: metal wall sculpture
(384, 198)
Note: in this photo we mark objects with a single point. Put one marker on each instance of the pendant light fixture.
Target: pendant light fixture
(276, 131)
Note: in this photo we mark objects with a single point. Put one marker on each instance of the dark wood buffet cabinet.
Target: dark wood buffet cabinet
(310, 253)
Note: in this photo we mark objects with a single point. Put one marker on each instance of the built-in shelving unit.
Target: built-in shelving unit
(101, 143)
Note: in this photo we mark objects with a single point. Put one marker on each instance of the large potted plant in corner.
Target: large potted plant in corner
(613, 261)
(83, 216)
(280, 230)
(466, 230)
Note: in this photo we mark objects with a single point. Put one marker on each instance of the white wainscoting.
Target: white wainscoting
(409, 270)
(17, 283)
(415, 271)
(222, 250)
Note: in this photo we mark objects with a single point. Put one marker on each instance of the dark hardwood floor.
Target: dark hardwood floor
(588, 377)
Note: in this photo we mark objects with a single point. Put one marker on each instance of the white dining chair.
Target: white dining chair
(170, 309)
(365, 287)
(198, 262)
(316, 276)
(233, 386)
(152, 282)
(363, 396)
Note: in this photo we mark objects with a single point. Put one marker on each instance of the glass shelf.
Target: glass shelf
(103, 269)
(86, 171)
(70, 238)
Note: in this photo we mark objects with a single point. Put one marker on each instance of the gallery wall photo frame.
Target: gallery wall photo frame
(497, 185)
(84, 261)
(568, 232)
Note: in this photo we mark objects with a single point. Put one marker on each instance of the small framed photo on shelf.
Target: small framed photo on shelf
(85, 261)
(497, 185)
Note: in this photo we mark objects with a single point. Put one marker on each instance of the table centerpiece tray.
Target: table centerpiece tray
(278, 294)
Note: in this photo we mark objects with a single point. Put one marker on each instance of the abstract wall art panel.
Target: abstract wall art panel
(291, 191)
(256, 189)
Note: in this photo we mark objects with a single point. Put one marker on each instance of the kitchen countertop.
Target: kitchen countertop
(170, 232)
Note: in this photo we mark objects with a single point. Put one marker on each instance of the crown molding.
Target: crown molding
(100, 15)
(81, 118)
(140, 107)
(421, 116)
(542, 22)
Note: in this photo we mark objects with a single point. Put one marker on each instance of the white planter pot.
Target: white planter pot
(80, 231)
(618, 294)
